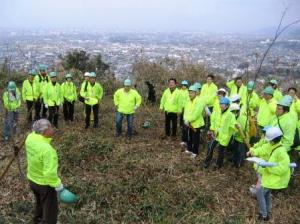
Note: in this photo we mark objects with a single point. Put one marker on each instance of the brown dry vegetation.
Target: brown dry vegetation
(146, 180)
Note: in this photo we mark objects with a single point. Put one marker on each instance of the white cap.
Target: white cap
(222, 90)
(234, 106)
(86, 74)
(272, 133)
(235, 98)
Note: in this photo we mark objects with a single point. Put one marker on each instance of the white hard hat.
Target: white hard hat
(235, 98)
(86, 74)
(234, 106)
(272, 133)
(222, 90)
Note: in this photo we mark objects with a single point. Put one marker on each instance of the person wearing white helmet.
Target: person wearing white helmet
(239, 147)
(273, 177)
(84, 86)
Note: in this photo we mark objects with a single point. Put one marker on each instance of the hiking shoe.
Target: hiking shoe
(253, 190)
(193, 156)
(187, 151)
(183, 144)
(261, 218)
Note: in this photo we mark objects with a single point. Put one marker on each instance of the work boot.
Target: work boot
(261, 218)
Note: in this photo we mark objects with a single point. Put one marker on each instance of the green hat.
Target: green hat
(93, 75)
(11, 85)
(197, 85)
(42, 67)
(67, 196)
(68, 75)
(127, 82)
(250, 85)
(268, 90)
(193, 88)
(52, 74)
(32, 72)
(273, 81)
(286, 101)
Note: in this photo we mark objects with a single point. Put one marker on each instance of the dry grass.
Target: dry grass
(148, 180)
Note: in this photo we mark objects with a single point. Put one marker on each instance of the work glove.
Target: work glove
(60, 188)
(135, 108)
(186, 123)
(267, 164)
(46, 106)
(207, 111)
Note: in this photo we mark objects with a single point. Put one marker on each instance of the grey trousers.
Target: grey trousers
(263, 196)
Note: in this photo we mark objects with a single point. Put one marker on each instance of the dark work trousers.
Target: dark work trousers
(88, 110)
(53, 115)
(210, 152)
(68, 109)
(207, 118)
(40, 106)
(46, 205)
(29, 105)
(170, 118)
(193, 140)
(44, 109)
(184, 133)
(181, 119)
(239, 153)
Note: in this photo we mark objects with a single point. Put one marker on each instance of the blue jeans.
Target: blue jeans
(264, 200)
(119, 119)
(10, 118)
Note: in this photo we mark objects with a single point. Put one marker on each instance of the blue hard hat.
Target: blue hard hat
(127, 82)
(193, 88)
(268, 90)
(286, 101)
(225, 100)
(42, 67)
(197, 85)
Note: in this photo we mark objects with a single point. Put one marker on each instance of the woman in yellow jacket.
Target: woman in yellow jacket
(194, 121)
(69, 93)
(12, 102)
(127, 100)
(275, 172)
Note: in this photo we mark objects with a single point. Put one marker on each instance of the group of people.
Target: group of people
(44, 96)
(238, 122)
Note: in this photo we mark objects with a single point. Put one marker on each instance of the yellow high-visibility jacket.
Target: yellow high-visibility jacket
(127, 102)
(30, 90)
(208, 92)
(193, 112)
(94, 94)
(170, 101)
(225, 128)
(52, 94)
(12, 100)
(69, 91)
(266, 112)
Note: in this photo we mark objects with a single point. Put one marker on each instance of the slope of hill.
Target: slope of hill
(146, 180)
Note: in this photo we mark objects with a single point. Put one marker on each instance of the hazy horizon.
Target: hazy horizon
(163, 16)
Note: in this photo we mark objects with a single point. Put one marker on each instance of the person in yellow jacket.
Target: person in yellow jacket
(208, 91)
(184, 98)
(42, 167)
(267, 108)
(170, 104)
(30, 95)
(127, 100)
(236, 86)
(250, 99)
(216, 113)
(83, 87)
(53, 98)
(224, 132)
(194, 121)
(12, 102)
(69, 92)
(92, 98)
(277, 93)
(42, 79)
(275, 174)
(284, 120)
(239, 147)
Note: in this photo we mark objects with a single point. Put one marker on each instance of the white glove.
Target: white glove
(186, 123)
(46, 106)
(135, 107)
(59, 188)
(208, 112)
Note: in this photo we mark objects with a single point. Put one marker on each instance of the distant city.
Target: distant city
(23, 50)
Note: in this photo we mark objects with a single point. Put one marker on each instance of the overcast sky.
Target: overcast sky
(152, 15)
